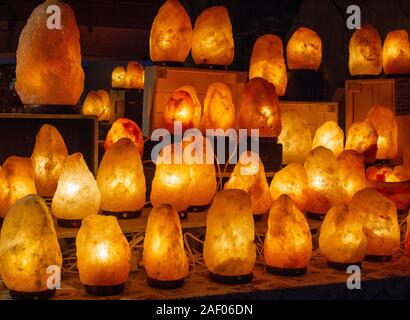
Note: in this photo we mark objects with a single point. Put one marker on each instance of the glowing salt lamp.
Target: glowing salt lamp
(351, 173)
(288, 242)
(183, 106)
(259, 108)
(28, 247)
(212, 38)
(384, 121)
(121, 173)
(48, 69)
(362, 137)
(48, 157)
(331, 136)
(365, 52)
(97, 103)
(77, 195)
(16, 181)
(171, 33)
(229, 249)
(396, 53)
(304, 50)
(292, 181)
(219, 111)
(267, 62)
(118, 77)
(103, 255)
(295, 137)
(380, 223)
(135, 76)
(125, 128)
(342, 240)
(164, 257)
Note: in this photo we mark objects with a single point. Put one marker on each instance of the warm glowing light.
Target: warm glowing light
(125, 128)
(97, 103)
(351, 173)
(118, 77)
(330, 136)
(362, 137)
(396, 53)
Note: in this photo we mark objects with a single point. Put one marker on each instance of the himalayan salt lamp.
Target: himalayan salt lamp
(365, 52)
(324, 188)
(28, 247)
(267, 62)
(342, 240)
(259, 108)
(229, 249)
(16, 181)
(362, 137)
(164, 257)
(121, 173)
(387, 174)
(97, 103)
(380, 224)
(295, 137)
(48, 157)
(331, 136)
(288, 242)
(384, 121)
(304, 50)
(125, 128)
(183, 106)
(396, 53)
(212, 38)
(171, 33)
(118, 77)
(103, 255)
(351, 173)
(292, 181)
(48, 68)
(135, 76)
(77, 195)
(219, 111)
(249, 175)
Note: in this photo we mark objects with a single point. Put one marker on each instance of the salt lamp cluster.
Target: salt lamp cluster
(388, 174)
(130, 78)
(351, 173)
(97, 103)
(48, 65)
(396, 53)
(363, 137)
(331, 136)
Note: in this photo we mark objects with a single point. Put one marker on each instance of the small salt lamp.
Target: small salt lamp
(288, 242)
(16, 181)
(362, 137)
(135, 76)
(331, 136)
(212, 38)
(351, 173)
(118, 77)
(103, 255)
(77, 195)
(385, 123)
(365, 52)
(125, 128)
(342, 240)
(396, 53)
(164, 257)
(28, 247)
(219, 111)
(295, 137)
(292, 181)
(97, 103)
(121, 180)
(183, 106)
(171, 33)
(229, 249)
(267, 62)
(380, 223)
(259, 108)
(48, 69)
(48, 157)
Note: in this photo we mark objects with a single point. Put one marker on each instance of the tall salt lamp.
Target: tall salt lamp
(28, 247)
(362, 137)
(16, 181)
(304, 50)
(48, 65)
(77, 195)
(331, 136)
(267, 62)
(135, 76)
(121, 180)
(396, 53)
(212, 38)
(380, 224)
(229, 249)
(351, 173)
(164, 257)
(103, 255)
(97, 103)
(288, 242)
(48, 157)
(118, 77)
(171, 33)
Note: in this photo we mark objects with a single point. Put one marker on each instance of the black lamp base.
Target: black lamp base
(246, 278)
(287, 272)
(161, 284)
(316, 216)
(105, 290)
(124, 215)
(41, 295)
(69, 223)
